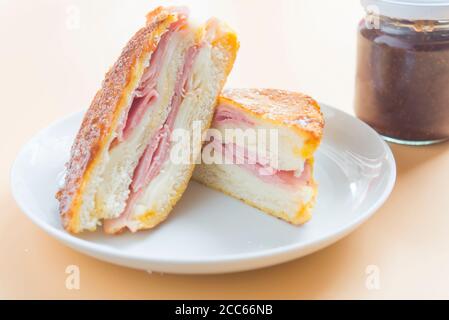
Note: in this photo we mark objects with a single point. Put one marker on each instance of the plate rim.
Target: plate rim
(94, 249)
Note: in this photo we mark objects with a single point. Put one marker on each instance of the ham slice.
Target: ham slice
(227, 115)
(151, 160)
(158, 150)
(250, 160)
(146, 94)
(260, 167)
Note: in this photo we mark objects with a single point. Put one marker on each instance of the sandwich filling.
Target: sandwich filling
(157, 151)
(146, 94)
(249, 159)
(260, 167)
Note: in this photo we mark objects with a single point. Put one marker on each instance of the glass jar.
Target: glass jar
(402, 82)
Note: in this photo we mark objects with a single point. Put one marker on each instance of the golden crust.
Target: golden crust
(105, 110)
(290, 108)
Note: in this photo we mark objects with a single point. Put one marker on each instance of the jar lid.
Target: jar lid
(409, 9)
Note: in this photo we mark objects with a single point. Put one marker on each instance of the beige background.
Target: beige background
(52, 58)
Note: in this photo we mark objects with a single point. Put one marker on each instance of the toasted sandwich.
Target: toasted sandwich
(276, 178)
(168, 76)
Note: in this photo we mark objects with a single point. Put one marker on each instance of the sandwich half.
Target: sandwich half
(168, 77)
(260, 150)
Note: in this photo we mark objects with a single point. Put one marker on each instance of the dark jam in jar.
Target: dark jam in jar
(402, 84)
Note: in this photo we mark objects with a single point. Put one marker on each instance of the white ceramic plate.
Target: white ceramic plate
(209, 232)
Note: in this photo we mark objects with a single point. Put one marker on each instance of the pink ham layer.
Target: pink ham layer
(158, 149)
(250, 161)
(146, 94)
(229, 115)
